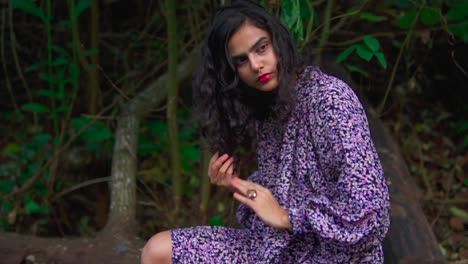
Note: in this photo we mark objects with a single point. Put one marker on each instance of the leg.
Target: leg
(158, 249)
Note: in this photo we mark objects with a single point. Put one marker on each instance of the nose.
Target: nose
(256, 63)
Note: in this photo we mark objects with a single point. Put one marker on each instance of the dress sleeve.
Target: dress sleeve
(353, 203)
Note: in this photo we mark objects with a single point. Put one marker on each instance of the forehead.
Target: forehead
(245, 38)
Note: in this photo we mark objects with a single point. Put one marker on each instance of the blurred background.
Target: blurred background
(98, 92)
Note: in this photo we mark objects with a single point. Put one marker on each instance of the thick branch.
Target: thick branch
(122, 217)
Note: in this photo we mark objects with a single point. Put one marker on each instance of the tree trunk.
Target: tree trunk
(122, 216)
(93, 73)
(172, 100)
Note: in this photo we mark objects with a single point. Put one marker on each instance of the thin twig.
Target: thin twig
(15, 57)
(30, 183)
(2, 47)
(340, 16)
(79, 186)
(397, 62)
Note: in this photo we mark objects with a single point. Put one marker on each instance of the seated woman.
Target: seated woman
(319, 194)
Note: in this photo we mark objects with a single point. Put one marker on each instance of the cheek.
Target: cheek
(243, 74)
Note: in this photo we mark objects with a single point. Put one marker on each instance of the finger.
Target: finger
(241, 185)
(214, 167)
(230, 170)
(219, 162)
(257, 186)
(214, 157)
(210, 166)
(243, 199)
(226, 165)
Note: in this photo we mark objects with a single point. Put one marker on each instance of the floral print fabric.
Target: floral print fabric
(323, 167)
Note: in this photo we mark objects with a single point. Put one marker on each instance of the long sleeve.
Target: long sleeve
(353, 207)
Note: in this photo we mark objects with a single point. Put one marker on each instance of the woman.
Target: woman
(319, 194)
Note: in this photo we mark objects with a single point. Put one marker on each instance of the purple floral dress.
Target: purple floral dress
(323, 167)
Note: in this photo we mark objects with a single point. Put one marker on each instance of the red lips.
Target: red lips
(264, 77)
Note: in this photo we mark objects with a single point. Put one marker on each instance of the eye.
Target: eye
(240, 61)
(262, 47)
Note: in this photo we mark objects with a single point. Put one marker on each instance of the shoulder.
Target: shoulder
(314, 86)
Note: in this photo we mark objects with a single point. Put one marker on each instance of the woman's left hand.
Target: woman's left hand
(264, 204)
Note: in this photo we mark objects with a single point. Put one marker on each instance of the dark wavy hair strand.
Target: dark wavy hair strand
(225, 107)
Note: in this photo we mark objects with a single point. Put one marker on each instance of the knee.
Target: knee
(158, 249)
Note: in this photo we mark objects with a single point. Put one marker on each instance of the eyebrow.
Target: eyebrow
(235, 57)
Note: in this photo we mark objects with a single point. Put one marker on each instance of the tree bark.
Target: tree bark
(93, 73)
(172, 100)
(122, 216)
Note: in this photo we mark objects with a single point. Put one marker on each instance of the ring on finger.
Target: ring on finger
(252, 194)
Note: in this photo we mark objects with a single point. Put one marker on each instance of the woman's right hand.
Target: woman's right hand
(221, 170)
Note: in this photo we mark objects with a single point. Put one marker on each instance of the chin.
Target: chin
(270, 87)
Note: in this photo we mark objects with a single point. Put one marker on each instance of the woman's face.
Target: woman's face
(253, 55)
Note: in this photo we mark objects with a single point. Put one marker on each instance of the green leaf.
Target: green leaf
(62, 109)
(400, 3)
(187, 133)
(32, 207)
(97, 132)
(407, 19)
(353, 68)
(158, 128)
(195, 182)
(89, 52)
(36, 108)
(7, 207)
(352, 11)
(7, 186)
(364, 52)
(430, 16)
(465, 182)
(459, 213)
(81, 6)
(11, 149)
(29, 7)
(381, 58)
(291, 17)
(372, 43)
(47, 78)
(190, 153)
(216, 221)
(147, 147)
(36, 66)
(298, 30)
(59, 61)
(460, 30)
(458, 11)
(64, 23)
(42, 138)
(287, 16)
(61, 51)
(306, 10)
(420, 127)
(48, 94)
(343, 55)
(462, 127)
(372, 17)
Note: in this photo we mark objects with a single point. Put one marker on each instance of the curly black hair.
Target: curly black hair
(225, 108)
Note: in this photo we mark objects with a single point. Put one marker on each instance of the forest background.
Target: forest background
(95, 108)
